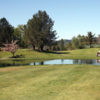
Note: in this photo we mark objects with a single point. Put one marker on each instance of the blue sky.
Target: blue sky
(71, 17)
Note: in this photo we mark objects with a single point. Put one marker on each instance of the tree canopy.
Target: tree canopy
(39, 30)
(6, 31)
(90, 38)
(19, 34)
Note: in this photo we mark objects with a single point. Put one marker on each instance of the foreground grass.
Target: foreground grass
(35, 55)
(52, 82)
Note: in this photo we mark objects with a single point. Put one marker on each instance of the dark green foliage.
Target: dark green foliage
(57, 48)
(6, 31)
(0, 49)
(69, 46)
(98, 39)
(75, 42)
(62, 45)
(19, 35)
(54, 48)
(78, 42)
(80, 46)
(90, 38)
(39, 30)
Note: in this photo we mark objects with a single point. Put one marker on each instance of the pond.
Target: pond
(49, 62)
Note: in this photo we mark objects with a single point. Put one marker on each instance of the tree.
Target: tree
(81, 39)
(12, 47)
(98, 39)
(62, 45)
(75, 42)
(39, 30)
(19, 34)
(69, 46)
(57, 48)
(16, 34)
(6, 31)
(90, 38)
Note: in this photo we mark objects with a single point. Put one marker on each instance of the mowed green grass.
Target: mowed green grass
(29, 54)
(52, 82)
(82, 53)
(70, 54)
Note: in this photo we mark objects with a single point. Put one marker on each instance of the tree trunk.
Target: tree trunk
(33, 47)
(41, 47)
(13, 54)
(90, 45)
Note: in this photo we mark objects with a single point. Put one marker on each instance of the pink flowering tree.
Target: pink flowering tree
(12, 47)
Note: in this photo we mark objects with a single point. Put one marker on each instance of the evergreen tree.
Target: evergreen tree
(6, 31)
(39, 30)
(90, 38)
(69, 46)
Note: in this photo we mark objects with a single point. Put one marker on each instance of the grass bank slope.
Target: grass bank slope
(81, 53)
(31, 54)
(52, 82)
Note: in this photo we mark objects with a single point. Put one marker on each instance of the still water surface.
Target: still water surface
(49, 62)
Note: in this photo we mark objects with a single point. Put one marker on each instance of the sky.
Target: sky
(71, 17)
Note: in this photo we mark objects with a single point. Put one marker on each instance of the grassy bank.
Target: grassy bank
(82, 53)
(52, 82)
(31, 54)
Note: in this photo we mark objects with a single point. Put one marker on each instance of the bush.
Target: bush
(92, 46)
(80, 46)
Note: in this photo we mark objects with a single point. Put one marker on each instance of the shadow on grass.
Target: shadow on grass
(53, 52)
(47, 51)
(18, 56)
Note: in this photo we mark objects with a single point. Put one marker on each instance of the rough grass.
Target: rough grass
(52, 82)
(35, 55)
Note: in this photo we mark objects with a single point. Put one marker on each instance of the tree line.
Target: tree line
(38, 32)
(78, 42)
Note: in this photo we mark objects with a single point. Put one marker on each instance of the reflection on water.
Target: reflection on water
(49, 62)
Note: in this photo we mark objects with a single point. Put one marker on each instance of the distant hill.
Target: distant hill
(66, 41)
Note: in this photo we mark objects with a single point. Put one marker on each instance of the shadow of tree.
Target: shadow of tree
(47, 51)
(18, 56)
(56, 52)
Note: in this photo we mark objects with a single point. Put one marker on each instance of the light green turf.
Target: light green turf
(71, 54)
(29, 54)
(82, 53)
(52, 82)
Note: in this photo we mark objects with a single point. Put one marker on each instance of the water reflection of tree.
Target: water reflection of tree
(62, 60)
(84, 61)
(41, 63)
(12, 63)
(75, 61)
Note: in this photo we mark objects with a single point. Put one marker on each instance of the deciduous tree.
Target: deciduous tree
(12, 47)
(62, 45)
(98, 39)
